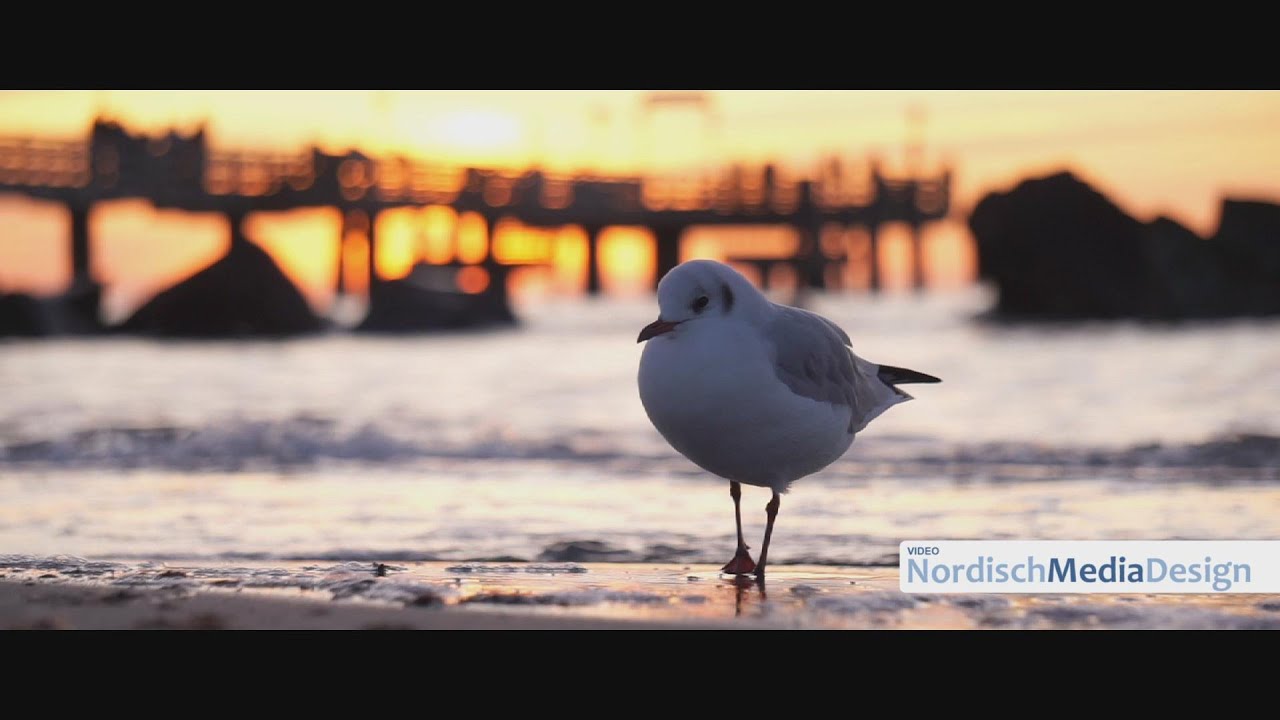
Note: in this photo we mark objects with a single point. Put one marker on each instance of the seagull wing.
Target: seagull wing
(813, 359)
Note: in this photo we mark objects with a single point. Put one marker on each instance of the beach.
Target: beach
(428, 359)
(269, 480)
(69, 593)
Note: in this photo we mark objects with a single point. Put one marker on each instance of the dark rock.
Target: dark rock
(428, 299)
(1055, 248)
(77, 311)
(1249, 233)
(74, 312)
(242, 294)
(1186, 271)
(22, 316)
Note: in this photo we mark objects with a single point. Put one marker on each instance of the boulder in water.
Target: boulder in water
(1055, 248)
(21, 315)
(243, 294)
(429, 299)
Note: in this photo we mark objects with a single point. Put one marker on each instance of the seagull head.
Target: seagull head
(700, 291)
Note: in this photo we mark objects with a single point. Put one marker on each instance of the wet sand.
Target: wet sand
(73, 607)
(70, 593)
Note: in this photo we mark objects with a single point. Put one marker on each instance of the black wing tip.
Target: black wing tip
(902, 376)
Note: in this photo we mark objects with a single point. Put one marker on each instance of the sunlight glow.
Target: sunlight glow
(124, 235)
(478, 130)
(304, 243)
(397, 237)
(473, 238)
(473, 279)
(1153, 152)
(626, 260)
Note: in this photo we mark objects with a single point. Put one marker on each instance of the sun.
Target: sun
(461, 135)
(478, 130)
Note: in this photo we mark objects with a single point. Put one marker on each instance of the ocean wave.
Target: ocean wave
(251, 445)
(301, 442)
(1246, 451)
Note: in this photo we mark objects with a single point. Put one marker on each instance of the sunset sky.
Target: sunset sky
(1155, 152)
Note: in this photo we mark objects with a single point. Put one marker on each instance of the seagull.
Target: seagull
(753, 391)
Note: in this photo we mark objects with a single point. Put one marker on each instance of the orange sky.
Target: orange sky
(1171, 152)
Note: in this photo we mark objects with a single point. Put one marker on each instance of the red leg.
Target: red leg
(735, 492)
(772, 511)
(741, 564)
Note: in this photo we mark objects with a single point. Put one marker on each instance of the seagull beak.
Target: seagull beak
(656, 328)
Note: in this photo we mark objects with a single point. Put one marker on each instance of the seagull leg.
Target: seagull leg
(741, 564)
(772, 511)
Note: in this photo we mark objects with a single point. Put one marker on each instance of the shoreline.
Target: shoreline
(71, 593)
(40, 606)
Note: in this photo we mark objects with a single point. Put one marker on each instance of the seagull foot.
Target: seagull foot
(741, 564)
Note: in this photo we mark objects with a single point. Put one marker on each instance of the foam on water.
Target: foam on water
(532, 445)
(302, 443)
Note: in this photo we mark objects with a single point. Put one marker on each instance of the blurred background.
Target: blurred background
(401, 324)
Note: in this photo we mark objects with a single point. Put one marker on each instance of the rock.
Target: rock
(1185, 271)
(243, 294)
(1055, 248)
(1249, 232)
(428, 299)
(74, 312)
(21, 315)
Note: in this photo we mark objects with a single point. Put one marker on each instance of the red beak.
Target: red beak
(656, 328)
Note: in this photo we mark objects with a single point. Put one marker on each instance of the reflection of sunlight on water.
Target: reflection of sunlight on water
(475, 510)
(518, 595)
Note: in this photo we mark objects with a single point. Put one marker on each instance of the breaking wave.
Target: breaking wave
(249, 445)
(300, 442)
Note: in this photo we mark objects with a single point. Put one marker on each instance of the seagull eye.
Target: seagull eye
(700, 303)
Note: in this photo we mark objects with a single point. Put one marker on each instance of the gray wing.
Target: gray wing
(813, 359)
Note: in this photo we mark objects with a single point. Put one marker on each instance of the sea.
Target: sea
(531, 444)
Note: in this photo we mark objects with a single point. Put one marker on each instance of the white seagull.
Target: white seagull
(753, 391)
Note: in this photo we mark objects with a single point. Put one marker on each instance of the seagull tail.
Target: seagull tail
(891, 375)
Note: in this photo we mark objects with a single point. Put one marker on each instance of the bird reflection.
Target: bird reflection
(742, 586)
